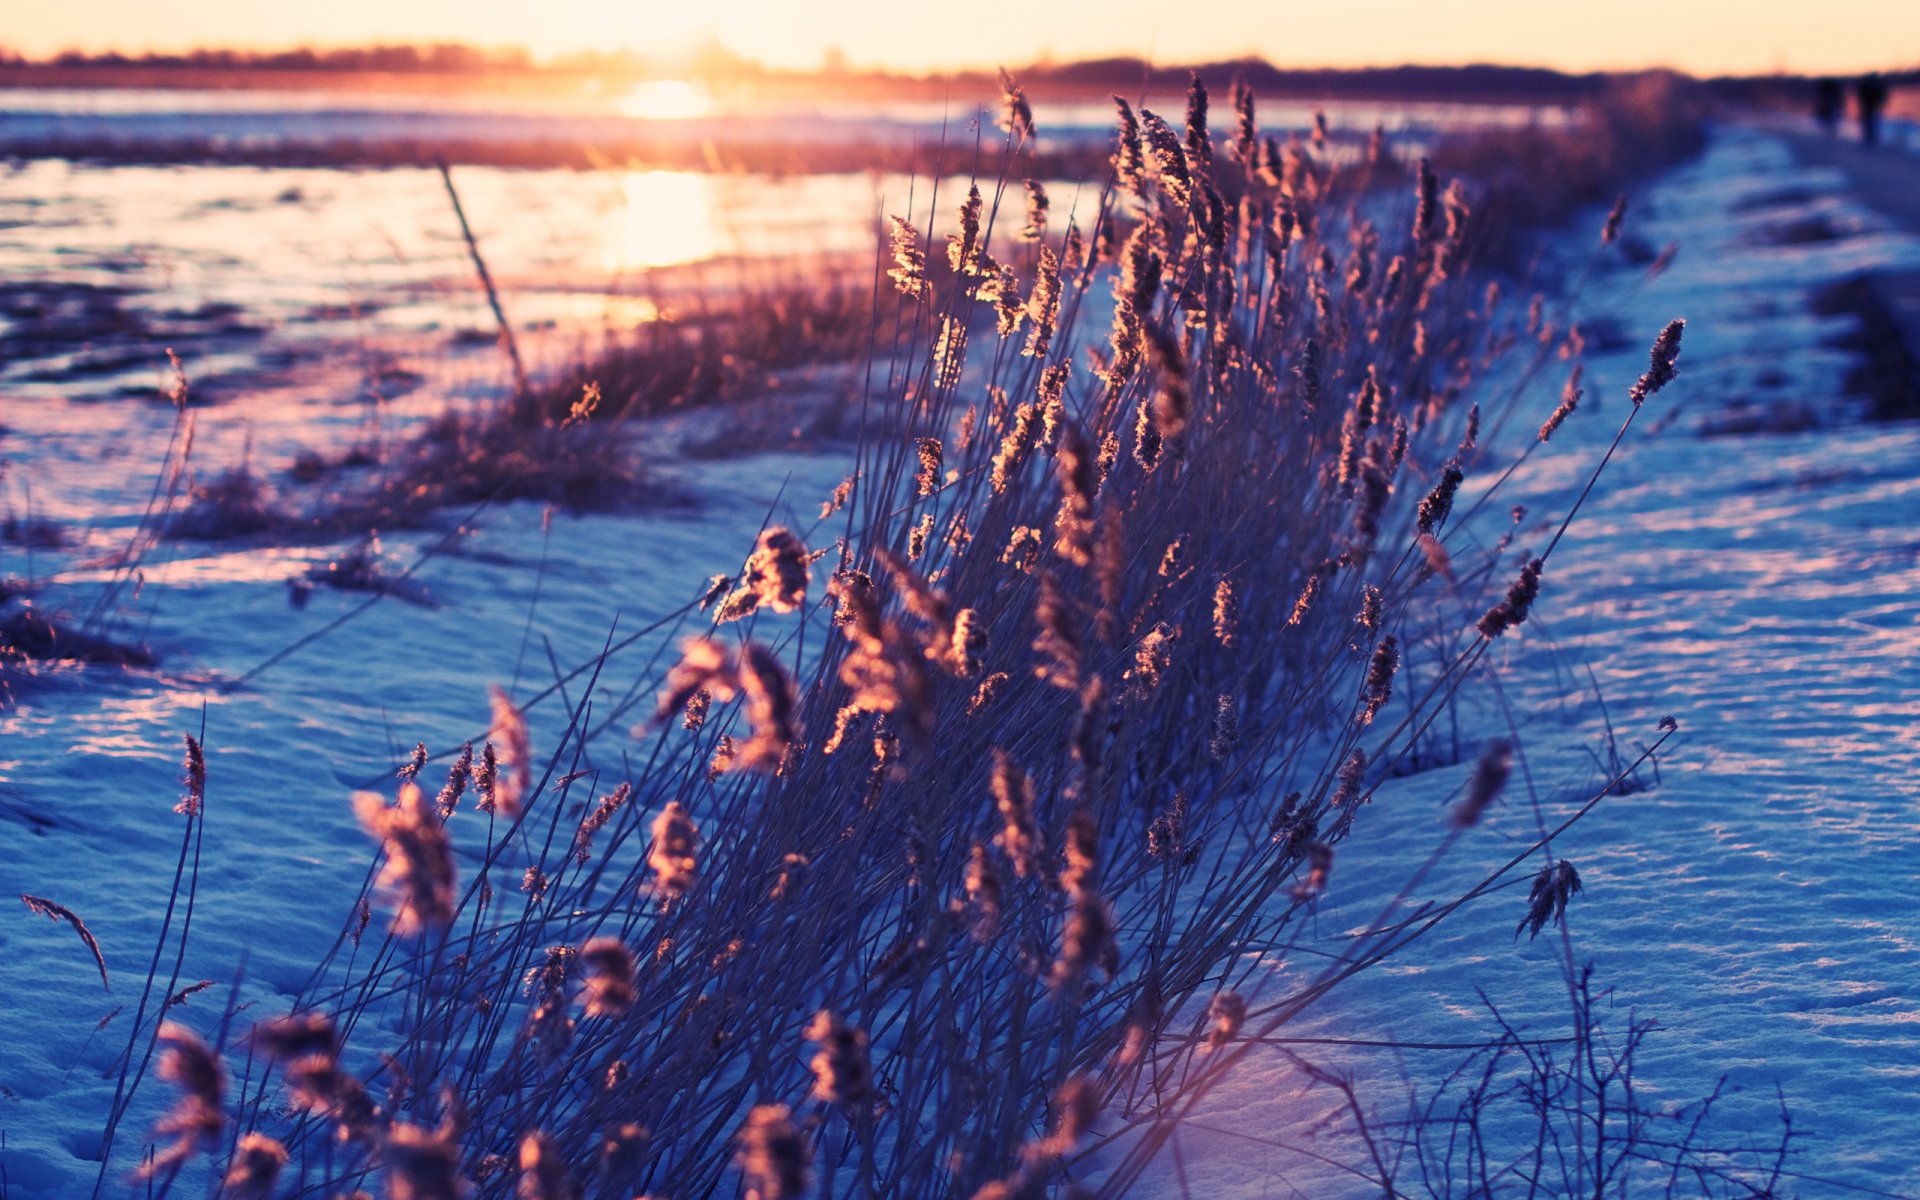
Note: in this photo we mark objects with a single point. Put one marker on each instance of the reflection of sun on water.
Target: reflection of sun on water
(666, 100)
(667, 217)
(606, 312)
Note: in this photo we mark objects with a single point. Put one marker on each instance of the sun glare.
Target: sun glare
(666, 100)
(667, 217)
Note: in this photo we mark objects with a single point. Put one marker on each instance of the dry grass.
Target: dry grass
(235, 503)
(32, 636)
(576, 438)
(948, 856)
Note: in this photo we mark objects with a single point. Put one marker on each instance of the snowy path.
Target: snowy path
(1886, 179)
(1765, 590)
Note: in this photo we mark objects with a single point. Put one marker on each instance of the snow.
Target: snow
(1764, 590)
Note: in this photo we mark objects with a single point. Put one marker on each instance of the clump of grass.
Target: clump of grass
(358, 569)
(463, 457)
(1888, 375)
(467, 456)
(573, 438)
(236, 503)
(32, 533)
(1005, 776)
(722, 354)
(29, 635)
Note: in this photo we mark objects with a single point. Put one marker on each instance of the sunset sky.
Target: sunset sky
(1703, 36)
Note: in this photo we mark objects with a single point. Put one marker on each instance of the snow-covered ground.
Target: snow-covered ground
(1764, 590)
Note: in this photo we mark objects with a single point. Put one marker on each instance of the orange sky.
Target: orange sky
(1704, 36)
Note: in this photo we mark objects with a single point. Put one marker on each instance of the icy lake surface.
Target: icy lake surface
(663, 110)
(259, 278)
(1763, 589)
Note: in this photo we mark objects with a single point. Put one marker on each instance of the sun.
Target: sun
(665, 100)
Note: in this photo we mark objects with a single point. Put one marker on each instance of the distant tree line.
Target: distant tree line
(1480, 81)
(1535, 84)
(438, 58)
(1792, 91)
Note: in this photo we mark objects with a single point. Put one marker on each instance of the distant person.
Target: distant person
(1872, 97)
(1829, 101)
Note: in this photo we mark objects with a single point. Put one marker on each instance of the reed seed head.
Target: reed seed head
(318, 1085)
(1226, 1013)
(773, 1154)
(1016, 116)
(1352, 774)
(1035, 229)
(297, 1036)
(543, 1171)
(1427, 200)
(1167, 158)
(1129, 157)
(194, 776)
(418, 876)
(1019, 837)
(610, 967)
(1172, 397)
(909, 270)
(1547, 899)
(927, 480)
(1199, 143)
(1043, 305)
(1243, 146)
(515, 753)
(1319, 867)
(1518, 603)
(964, 248)
(1086, 941)
(842, 1073)
(1304, 605)
(422, 1163)
(1437, 506)
(984, 893)
(1610, 230)
(778, 573)
(1226, 729)
(197, 1117)
(673, 855)
(1484, 787)
(256, 1163)
(1057, 641)
(1661, 363)
(983, 696)
(459, 778)
(410, 770)
(1379, 684)
(1569, 400)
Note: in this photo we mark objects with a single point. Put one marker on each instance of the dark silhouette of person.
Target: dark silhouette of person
(1871, 94)
(1829, 102)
